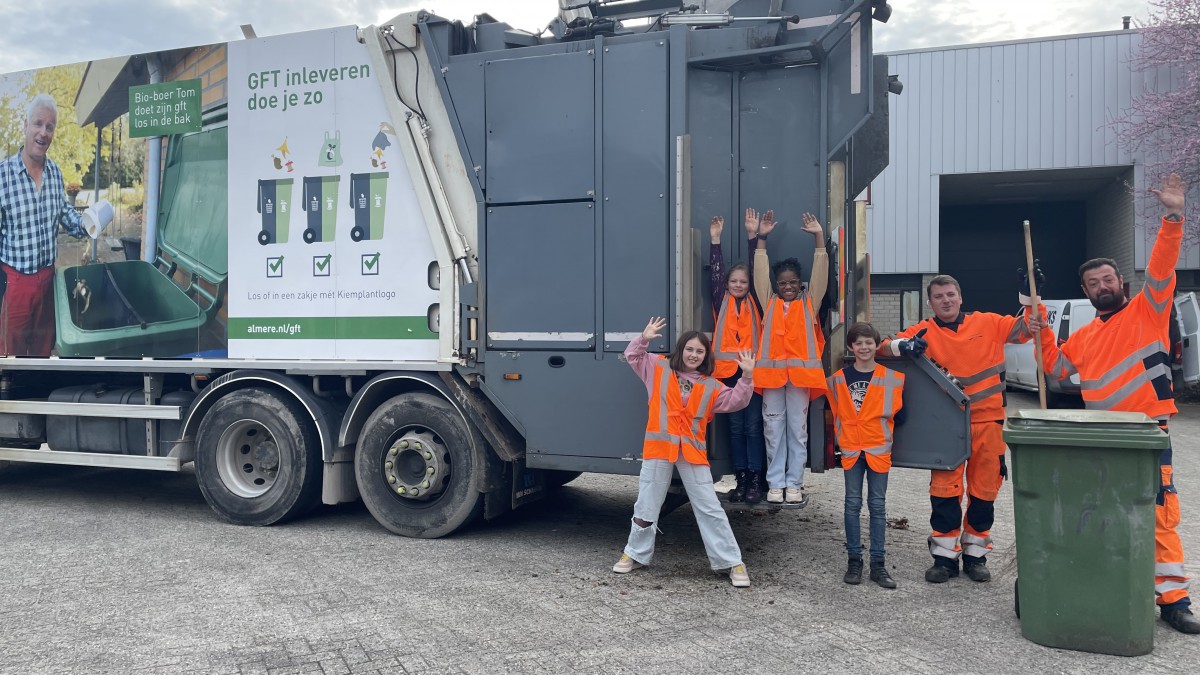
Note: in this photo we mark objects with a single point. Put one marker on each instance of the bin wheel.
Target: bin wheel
(1016, 599)
(310, 235)
(258, 461)
(419, 467)
(356, 233)
(264, 237)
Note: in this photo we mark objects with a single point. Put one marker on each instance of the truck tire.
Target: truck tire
(258, 461)
(419, 467)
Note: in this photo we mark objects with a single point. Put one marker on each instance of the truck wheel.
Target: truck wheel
(258, 461)
(419, 467)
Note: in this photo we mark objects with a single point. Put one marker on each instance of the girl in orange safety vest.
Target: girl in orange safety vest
(683, 397)
(737, 325)
(789, 368)
(866, 400)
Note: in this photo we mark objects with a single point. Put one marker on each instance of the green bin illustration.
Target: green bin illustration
(320, 203)
(275, 205)
(134, 308)
(368, 198)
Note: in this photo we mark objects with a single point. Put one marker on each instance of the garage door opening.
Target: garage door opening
(1074, 214)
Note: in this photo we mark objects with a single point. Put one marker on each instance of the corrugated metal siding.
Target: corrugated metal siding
(1006, 107)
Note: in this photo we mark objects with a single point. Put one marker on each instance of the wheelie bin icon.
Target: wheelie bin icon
(275, 206)
(320, 203)
(368, 198)
(1084, 485)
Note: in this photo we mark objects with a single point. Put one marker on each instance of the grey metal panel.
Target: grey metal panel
(710, 104)
(607, 411)
(849, 86)
(541, 276)
(636, 217)
(464, 77)
(540, 128)
(779, 134)
(938, 436)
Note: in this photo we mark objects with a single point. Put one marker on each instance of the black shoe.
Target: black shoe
(1181, 619)
(754, 487)
(941, 572)
(738, 493)
(976, 568)
(879, 574)
(854, 569)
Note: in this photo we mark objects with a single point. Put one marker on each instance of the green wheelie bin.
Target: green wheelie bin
(1084, 484)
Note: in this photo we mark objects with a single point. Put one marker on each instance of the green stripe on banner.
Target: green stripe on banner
(331, 328)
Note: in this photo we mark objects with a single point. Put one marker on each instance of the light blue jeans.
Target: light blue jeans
(785, 427)
(876, 504)
(655, 478)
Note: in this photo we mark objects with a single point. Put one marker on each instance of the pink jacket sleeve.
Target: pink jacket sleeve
(732, 399)
(641, 361)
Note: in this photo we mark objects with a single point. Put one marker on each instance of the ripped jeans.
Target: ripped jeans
(655, 478)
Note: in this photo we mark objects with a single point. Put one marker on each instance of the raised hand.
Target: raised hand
(751, 223)
(767, 224)
(715, 228)
(812, 225)
(746, 362)
(1171, 193)
(654, 328)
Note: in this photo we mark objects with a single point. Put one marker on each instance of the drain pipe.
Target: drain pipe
(153, 174)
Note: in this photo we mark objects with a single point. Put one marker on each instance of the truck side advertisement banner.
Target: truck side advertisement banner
(286, 223)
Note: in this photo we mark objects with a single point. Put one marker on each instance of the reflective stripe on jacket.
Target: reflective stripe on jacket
(869, 428)
(733, 332)
(673, 425)
(791, 346)
(1122, 358)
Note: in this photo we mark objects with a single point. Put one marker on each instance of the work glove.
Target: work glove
(1023, 279)
(915, 345)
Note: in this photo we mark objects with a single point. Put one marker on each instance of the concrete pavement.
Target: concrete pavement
(124, 571)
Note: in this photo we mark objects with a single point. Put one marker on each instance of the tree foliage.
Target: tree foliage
(1163, 124)
(74, 147)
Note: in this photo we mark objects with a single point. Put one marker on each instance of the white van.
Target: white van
(1066, 316)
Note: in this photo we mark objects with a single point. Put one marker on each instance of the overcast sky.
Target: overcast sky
(50, 32)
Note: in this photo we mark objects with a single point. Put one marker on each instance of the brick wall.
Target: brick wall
(210, 65)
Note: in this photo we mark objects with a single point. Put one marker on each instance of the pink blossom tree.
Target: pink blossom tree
(1163, 124)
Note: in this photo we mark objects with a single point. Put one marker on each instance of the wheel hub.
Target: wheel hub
(247, 459)
(416, 466)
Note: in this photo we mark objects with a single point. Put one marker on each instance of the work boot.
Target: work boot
(976, 568)
(942, 570)
(738, 493)
(754, 488)
(1181, 619)
(853, 571)
(879, 574)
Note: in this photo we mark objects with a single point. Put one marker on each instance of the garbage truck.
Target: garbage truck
(400, 263)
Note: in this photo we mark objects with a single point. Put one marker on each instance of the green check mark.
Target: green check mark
(274, 266)
(322, 264)
(370, 262)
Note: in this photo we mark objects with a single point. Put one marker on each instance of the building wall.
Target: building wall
(1108, 235)
(1038, 104)
(209, 64)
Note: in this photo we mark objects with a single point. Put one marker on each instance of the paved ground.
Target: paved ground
(122, 571)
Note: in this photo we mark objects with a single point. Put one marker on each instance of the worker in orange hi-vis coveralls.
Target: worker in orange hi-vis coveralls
(970, 345)
(1121, 358)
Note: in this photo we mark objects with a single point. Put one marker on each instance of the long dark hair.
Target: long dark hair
(676, 358)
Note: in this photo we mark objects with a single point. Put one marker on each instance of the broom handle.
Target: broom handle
(1033, 307)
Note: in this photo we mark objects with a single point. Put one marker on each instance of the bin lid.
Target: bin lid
(193, 214)
(1090, 428)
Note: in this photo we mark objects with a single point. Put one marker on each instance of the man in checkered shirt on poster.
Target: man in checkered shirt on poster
(33, 204)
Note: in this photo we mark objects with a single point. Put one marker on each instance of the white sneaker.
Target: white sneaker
(626, 564)
(739, 577)
(775, 496)
(793, 495)
(726, 484)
